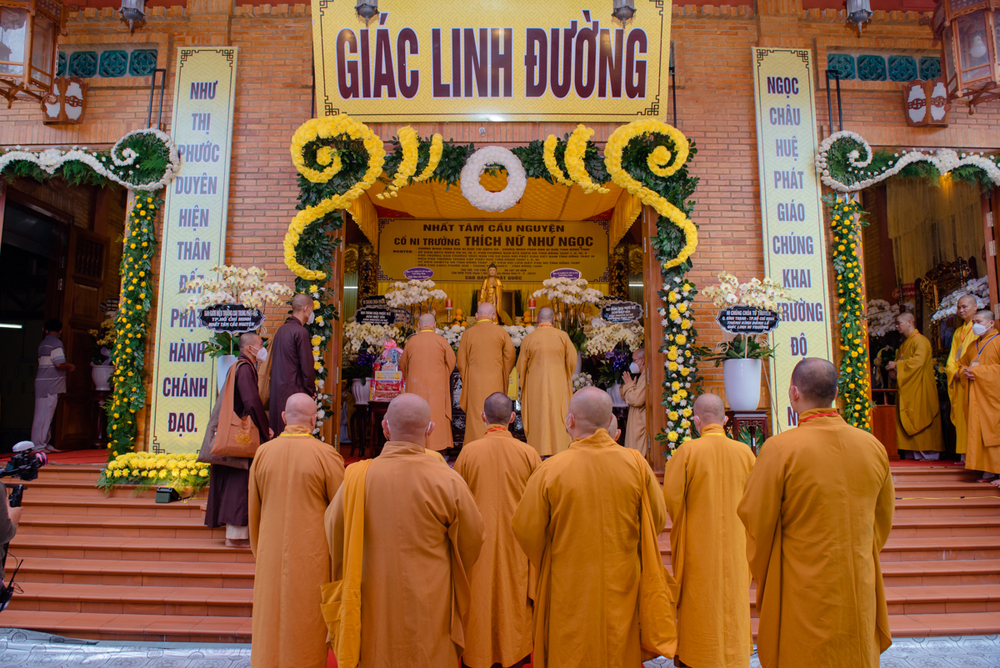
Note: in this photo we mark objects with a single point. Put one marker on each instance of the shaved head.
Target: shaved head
(545, 314)
(986, 313)
(301, 302)
(966, 307)
(906, 323)
(427, 320)
(300, 409)
(709, 409)
(498, 409)
(906, 316)
(408, 418)
(486, 310)
(814, 381)
(250, 340)
(589, 410)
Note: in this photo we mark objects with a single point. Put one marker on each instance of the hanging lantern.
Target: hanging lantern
(623, 10)
(858, 12)
(366, 9)
(968, 35)
(28, 33)
(133, 13)
(65, 102)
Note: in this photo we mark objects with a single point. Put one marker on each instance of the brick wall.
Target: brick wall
(714, 101)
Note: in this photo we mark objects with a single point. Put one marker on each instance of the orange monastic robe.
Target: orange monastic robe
(634, 394)
(497, 468)
(918, 413)
(427, 363)
(983, 453)
(578, 522)
(293, 478)
(957, 392)
(702, 485)
(422, 534)
(545, 366)
(818, 509)
(485, 360)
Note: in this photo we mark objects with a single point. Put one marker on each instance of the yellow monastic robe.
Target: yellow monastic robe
(918, 413)
(634, 394)
(485, 359)
(545, 366)
(436, 456)
(702, 485)
(426, 364)
(578, 522)
(957, 392)
(422, 534)
(818, 509)
(293, 478)
(497, 468)
(983, 453)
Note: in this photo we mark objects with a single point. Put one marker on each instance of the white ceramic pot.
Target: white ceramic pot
(742, 379)
(101, 373)
(222, 366)
(615, 392)
(360, 388)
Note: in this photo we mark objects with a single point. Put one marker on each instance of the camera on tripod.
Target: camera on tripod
(23, 465)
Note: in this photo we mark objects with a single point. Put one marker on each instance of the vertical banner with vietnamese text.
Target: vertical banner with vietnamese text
(193, 241)
(792, 213)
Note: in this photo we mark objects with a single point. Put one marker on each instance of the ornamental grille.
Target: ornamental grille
(107, 63)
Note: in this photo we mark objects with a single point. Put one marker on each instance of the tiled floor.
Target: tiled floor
(28, 649)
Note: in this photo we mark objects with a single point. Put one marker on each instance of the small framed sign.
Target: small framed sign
(232, 318)
(418, 274)
(571, 274)
(375, 315)
(621, 312)
(747, 320)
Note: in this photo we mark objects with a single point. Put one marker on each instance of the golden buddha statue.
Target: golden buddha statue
(492, 290)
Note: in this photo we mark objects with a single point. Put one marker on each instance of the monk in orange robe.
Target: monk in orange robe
(702, 485)
(497, 468)
(918, 413)
(545, 368)
(293, 478)
(422, 532)
(485, 359)
(979, 373)
(579, 523)
(818, 509)
(426, 364)
(957, 391)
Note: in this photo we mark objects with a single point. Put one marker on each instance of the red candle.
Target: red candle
(447, 303)
(531, 302)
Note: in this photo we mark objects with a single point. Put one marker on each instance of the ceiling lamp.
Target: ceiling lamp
(28, 33)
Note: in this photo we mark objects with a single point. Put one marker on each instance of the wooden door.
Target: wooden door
(991, 206)
(77, 420)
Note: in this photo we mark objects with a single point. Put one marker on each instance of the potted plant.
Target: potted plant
(101, 368)
(609, 349)
(239, 286)
(742, 357)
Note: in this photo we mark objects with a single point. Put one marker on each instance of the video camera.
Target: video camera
(23, 465)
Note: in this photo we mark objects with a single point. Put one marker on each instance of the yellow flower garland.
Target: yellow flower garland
(326, 128)
(437, 150)
(410, 143)
(617, 142)
(549, 156)
(576, 149)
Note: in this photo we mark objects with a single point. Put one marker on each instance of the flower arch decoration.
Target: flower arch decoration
(144, 162)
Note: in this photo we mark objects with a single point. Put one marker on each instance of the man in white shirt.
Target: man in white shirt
(50, 382)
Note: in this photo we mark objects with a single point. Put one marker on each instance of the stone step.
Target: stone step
(76, 472)
(926, 527)
(133, 627)
(932, 474)
(84, 525)
(138, 573)
(941, 573)
(979, 506)
(947, 489)
(944, 549)
(124, 599)
(46, 504)
(128, 549)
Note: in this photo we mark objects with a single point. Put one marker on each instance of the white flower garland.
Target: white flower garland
(944, 160)
(481, 198)
(52, 159)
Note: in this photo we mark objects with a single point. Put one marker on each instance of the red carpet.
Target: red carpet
(937, 464)
(72, 457)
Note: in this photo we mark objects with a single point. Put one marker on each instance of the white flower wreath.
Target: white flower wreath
(481, 198)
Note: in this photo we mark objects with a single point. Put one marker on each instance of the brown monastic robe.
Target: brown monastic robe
(497, 468)
(292, 481)
(422, 534)
(426, 364)
(545, 367)
(702, 485)
(293, 369)
(578, 522)
(485, 360)
(634, 394)
(818, 509)
(958, 393)
(983, 453)
(918, 413)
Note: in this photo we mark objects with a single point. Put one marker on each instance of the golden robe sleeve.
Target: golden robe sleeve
(985, 392)
(656, 503)
(509, 355)
(675, 484)
(634, 391)
(333, 520)
(254, 507)
(531, 519)
(522, 361)
(884, 509)
(570, 362)
(760, 510)
(462, 359)
(404, 361)
(449, 357)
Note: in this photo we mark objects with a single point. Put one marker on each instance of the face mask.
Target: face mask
(311, 319)
(633, 367)
(262, 355)
(978, 329)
